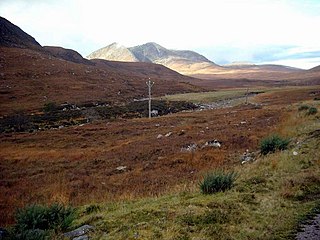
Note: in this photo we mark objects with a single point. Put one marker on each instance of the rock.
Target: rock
(79, 232)
(121, 168)
(213, 143)
(247, 157)
(83, 237)
(168, 134)
(159, 136)
(182, 132)
(154, 113)
(189, 148)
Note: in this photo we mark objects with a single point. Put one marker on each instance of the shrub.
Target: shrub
(217, 181)
(37, 217)
(312, 111)
(50, 107)
(273, 143)
(303, 108)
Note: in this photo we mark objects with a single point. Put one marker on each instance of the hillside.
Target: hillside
(192, 63)
(114, 52)
(184, 62)
(66, 54)
(32, 76)
(12, 36)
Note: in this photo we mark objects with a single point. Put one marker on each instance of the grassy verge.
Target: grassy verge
(207, 97)
(270, 197)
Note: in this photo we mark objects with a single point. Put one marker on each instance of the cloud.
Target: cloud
(224, 31)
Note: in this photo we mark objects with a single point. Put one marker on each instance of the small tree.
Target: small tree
(50, 107)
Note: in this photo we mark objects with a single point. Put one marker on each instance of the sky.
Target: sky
(226, 31)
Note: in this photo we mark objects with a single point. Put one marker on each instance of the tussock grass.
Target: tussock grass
(269, 199)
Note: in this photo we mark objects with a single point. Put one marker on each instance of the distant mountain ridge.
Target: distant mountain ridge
(188, 62)
(183, 61)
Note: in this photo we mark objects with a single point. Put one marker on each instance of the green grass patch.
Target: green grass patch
(273, 143)
(217, 181)
(42, 222)
(312, 111)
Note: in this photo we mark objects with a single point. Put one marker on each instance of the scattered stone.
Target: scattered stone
(121, 168)
(79, 233)
(159, 136)
(182, 132)
(189, 148)
(83, 237)
(247, 157)
(213, 143)
(154, 113)
(295, 153)
(168, 134)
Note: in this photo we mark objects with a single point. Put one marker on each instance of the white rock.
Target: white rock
(159, 136)
(168, 134)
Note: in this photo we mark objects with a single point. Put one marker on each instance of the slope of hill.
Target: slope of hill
(66, 54)
(32, 76)
(184, 62)
(114, 52)
(13, 36)
(315, 69)
(191, 63)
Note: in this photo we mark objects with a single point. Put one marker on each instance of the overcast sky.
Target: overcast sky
(225, 31)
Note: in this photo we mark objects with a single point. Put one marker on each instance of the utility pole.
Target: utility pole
(247, 93)
(149, 84)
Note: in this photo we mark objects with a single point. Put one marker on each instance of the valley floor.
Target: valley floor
(125, 159)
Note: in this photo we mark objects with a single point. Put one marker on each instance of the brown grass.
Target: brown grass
(77, 165)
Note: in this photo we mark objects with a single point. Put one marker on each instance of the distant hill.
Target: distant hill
(182, 61)
(315, 69)
(189, 62)
(12, 36)
(114, 52)
(35, 75)
(66, 54)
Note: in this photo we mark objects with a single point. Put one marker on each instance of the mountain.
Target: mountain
(12, 36)
(189, 62)
(114, 52)
(182, 61)
(33, 75)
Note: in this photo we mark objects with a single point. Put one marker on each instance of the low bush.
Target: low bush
(273, 143)
(312, 111)
(39, 220)
(217, 181)
(303, 108)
